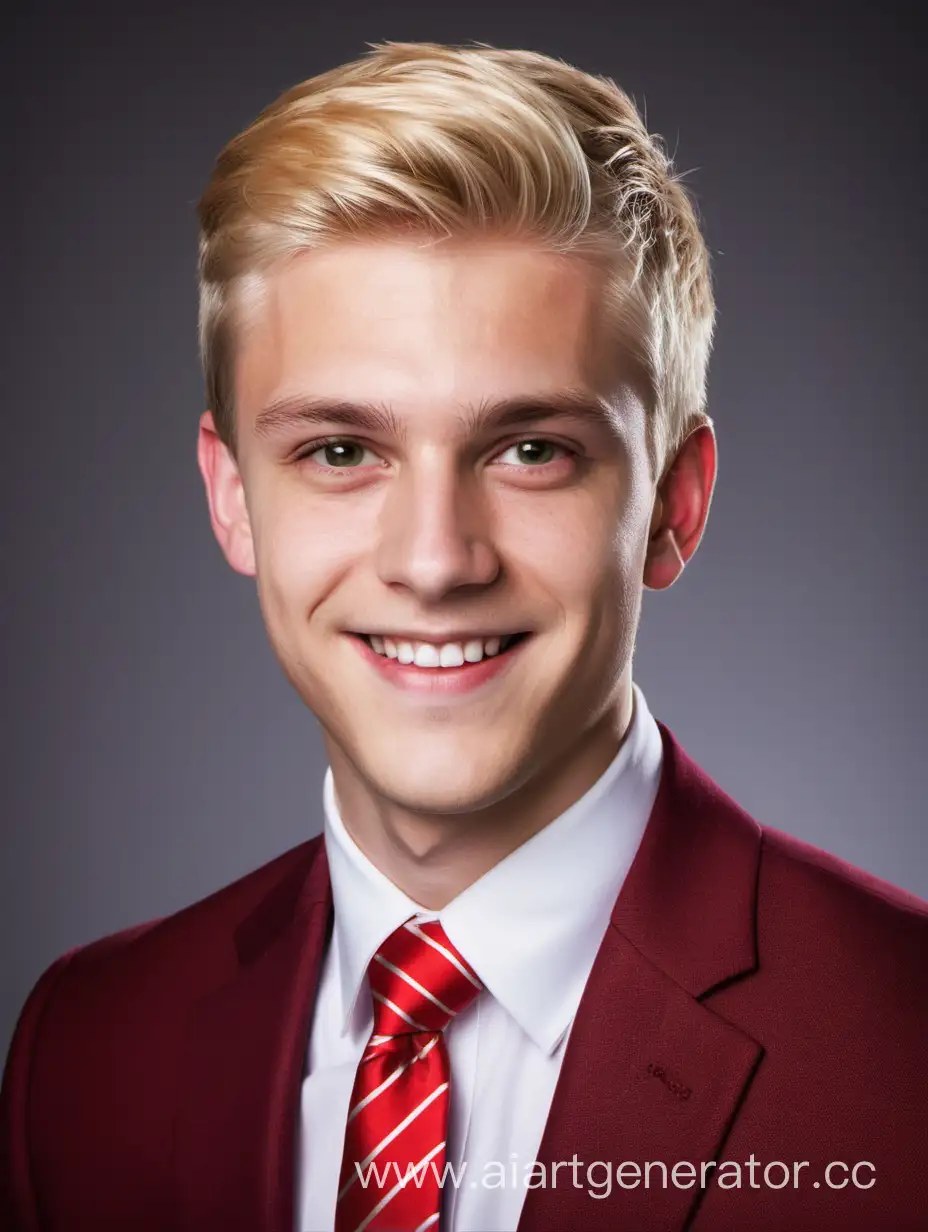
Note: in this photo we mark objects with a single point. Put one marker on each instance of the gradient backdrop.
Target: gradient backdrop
(152, 749)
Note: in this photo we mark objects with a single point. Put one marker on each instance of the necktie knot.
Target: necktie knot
(419, 981)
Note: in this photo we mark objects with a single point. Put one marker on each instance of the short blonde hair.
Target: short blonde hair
(456, 142)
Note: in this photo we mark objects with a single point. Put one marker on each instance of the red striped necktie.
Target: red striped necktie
(397, 1118)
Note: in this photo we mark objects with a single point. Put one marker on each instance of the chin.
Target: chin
(460, 782)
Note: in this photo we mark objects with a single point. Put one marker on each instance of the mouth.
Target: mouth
(437, 656)
(448, 667)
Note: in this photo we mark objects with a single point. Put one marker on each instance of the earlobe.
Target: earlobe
(681, 508)
(664, 562)
(225, 496)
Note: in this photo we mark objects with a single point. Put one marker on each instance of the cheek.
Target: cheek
(584, 548)
(301, 555)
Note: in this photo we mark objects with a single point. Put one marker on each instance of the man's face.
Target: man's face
(430, 519)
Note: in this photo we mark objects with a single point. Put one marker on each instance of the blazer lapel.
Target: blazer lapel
(242, 1066)
(650, 1073)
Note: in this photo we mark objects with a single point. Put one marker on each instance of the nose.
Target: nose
(435, 534)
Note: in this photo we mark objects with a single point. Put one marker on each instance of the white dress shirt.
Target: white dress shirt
(530, 927)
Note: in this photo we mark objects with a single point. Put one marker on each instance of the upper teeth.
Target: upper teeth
(428, 654)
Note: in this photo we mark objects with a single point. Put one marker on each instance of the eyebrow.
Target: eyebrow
(372, 416)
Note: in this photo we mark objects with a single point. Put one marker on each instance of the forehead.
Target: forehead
(416, 326)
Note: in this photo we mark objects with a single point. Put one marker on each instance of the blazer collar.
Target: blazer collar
(689, 901)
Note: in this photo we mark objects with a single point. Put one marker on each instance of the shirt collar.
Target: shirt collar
(531, 925)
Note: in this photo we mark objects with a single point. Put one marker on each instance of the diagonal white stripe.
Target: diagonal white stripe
(437, 945)
(396, 1188)
(429, 1223)
(414, 984)
(402, 1013)
(362, 1103)
(407, 1120)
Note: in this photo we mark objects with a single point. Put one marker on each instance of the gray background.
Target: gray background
(152, 749)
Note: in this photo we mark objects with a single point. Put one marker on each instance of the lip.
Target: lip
(442, 680)
(436, 639)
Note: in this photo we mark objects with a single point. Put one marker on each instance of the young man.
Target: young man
(455, 321)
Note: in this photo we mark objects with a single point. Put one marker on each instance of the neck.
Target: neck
(433, 857)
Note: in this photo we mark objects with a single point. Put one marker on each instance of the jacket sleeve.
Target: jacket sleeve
(19, 1208)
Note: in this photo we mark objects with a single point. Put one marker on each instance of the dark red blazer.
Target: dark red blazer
(752, 997)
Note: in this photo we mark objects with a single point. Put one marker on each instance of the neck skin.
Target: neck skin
(433, 857)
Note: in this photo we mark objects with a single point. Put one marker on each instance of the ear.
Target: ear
(681, 508)
(225, 496)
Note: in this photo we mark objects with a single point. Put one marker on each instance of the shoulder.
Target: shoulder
(824, 935)
(209, 919)
(801, 894)
(836, 945)
(828, 897)
(176, 957)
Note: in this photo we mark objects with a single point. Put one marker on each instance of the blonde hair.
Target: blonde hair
(456, 142)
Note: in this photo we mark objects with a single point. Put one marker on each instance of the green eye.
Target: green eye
(341, 454)
(534, 453)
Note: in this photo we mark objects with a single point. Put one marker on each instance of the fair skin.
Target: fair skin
(432, 518)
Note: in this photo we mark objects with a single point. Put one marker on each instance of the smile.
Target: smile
(440, 654)
(447, 666)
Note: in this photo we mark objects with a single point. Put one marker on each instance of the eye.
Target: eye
(532, 453)
(339, 454)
